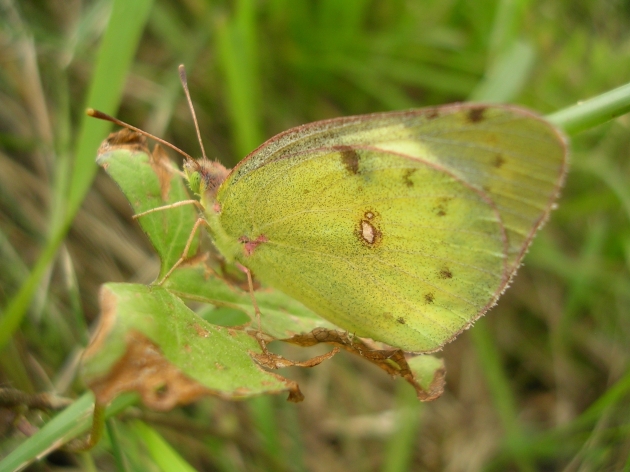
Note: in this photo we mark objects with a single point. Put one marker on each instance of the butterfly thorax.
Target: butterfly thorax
(204, 178)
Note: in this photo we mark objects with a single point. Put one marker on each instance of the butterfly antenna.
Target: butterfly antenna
(183, 79)
(104, 116)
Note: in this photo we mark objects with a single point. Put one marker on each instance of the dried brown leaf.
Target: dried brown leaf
(124, 139)
(144, 369)
(392, 361)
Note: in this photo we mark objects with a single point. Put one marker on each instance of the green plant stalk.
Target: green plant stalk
(236, 43)
(594, 111)
(114, 439)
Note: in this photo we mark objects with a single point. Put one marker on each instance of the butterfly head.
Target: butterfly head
(205, 177)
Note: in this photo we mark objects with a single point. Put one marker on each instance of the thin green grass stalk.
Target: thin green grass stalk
(87, 462)
(116, 53)
(167, 458)
(401, 444)
(63, 150)
(122, 464)
(507, 75)
(112, 64)
(20, 302)
(187, 46)
(589, 456)
(78, 324)
(506, 26)
(236, 38)
(594, 111)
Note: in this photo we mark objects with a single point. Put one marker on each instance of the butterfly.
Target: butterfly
(404, 227)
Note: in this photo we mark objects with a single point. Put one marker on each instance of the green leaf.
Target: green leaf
(149, 341)
(429, 372)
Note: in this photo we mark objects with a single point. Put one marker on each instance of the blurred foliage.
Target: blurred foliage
(542, 383)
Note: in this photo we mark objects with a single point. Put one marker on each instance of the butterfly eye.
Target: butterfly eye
(194, 182)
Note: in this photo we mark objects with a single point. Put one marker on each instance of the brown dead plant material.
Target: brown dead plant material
(392, 361)
(143, 369)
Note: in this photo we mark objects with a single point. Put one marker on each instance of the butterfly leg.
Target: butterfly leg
(250, 284)
(267, 358)
(259, 334)
(193, 232)
(168, 207)
(198, 223)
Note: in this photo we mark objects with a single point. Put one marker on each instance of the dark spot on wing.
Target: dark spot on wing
(498, 161)
(445, 273)
(350, 159)
(407, 177)
(429, 297)
(441, 207)
(367, 231)
(475, 115)
(401, 320)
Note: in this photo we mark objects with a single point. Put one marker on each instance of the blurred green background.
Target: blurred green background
(541, 383)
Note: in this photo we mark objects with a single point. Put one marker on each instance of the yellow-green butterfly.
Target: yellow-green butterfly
(404, 227)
